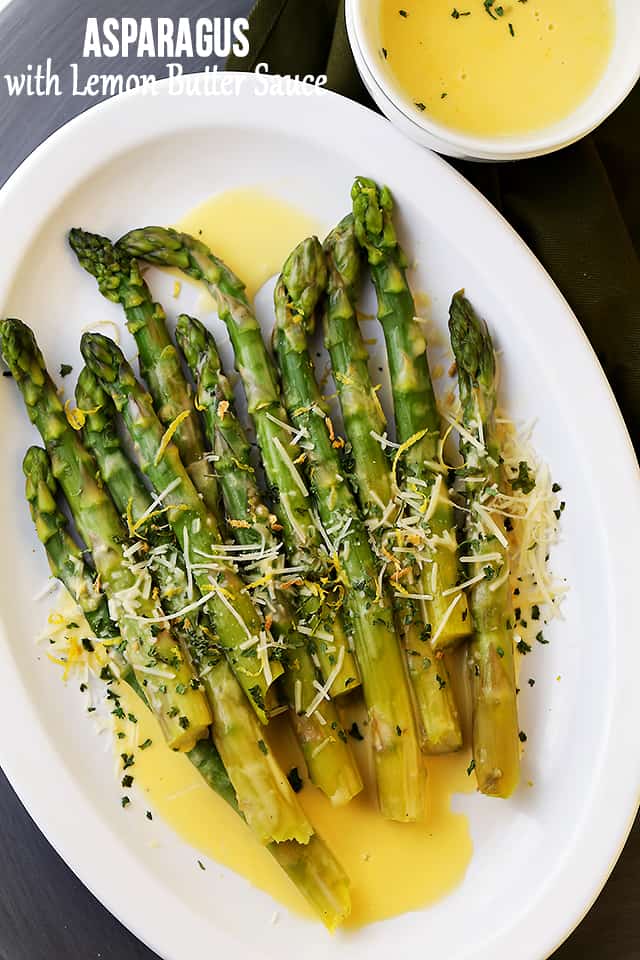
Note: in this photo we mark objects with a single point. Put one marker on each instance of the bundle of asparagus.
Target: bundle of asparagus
(341, 571)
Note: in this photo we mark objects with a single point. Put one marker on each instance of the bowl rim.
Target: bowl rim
(513, 147)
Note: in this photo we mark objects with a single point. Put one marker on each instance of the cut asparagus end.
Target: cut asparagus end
(496, 746)
(329, 760)
(318, 876)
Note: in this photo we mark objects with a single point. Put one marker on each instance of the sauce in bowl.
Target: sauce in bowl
(496, 67)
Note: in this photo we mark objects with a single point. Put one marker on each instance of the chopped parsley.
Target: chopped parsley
(456, 14)
(263, 747)
(295, 780)
(421, 106)
(525, 480)
(540, 637)
(149, 815)
(523, 647)
(471, 768)
(127, 760)
(354, 731)
(146, 743)
(127, 781)
(494, 12)
(65, 369)
(522, 737)
(125, 801)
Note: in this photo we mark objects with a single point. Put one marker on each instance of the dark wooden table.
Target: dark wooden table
(45, 912)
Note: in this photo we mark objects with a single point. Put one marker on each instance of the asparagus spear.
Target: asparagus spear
(65, 556)
(365, 422)
(311, 867)
(416, 413)
(238, 623)
(182, 711)
(321, 736)
(496, 748)
(399, 767)
(119, 280)
(280, 455)
(262, 790)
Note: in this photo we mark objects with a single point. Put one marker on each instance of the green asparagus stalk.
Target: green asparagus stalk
(496, 747)
(182, 711)
(416, 413)
(365, 424)
(399, 768)
(65, 556)
(275, 436)
(119, 280)
(312, 867)
(262, 790)
(323, 740)
(238, 623)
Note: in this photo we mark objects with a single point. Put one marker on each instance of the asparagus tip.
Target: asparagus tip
(304, 277)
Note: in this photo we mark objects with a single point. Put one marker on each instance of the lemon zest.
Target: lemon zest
(77, 417)
(246, 467)
(402, 449)
(168, 435)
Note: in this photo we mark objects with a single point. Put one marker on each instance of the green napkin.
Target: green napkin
(578, 209)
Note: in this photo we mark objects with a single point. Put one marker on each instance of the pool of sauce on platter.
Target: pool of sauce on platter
(394, 868)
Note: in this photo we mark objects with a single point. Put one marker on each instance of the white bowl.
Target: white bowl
(621, 74)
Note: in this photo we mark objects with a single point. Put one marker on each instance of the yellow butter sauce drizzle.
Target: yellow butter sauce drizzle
(394, 868)
(499, 68)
